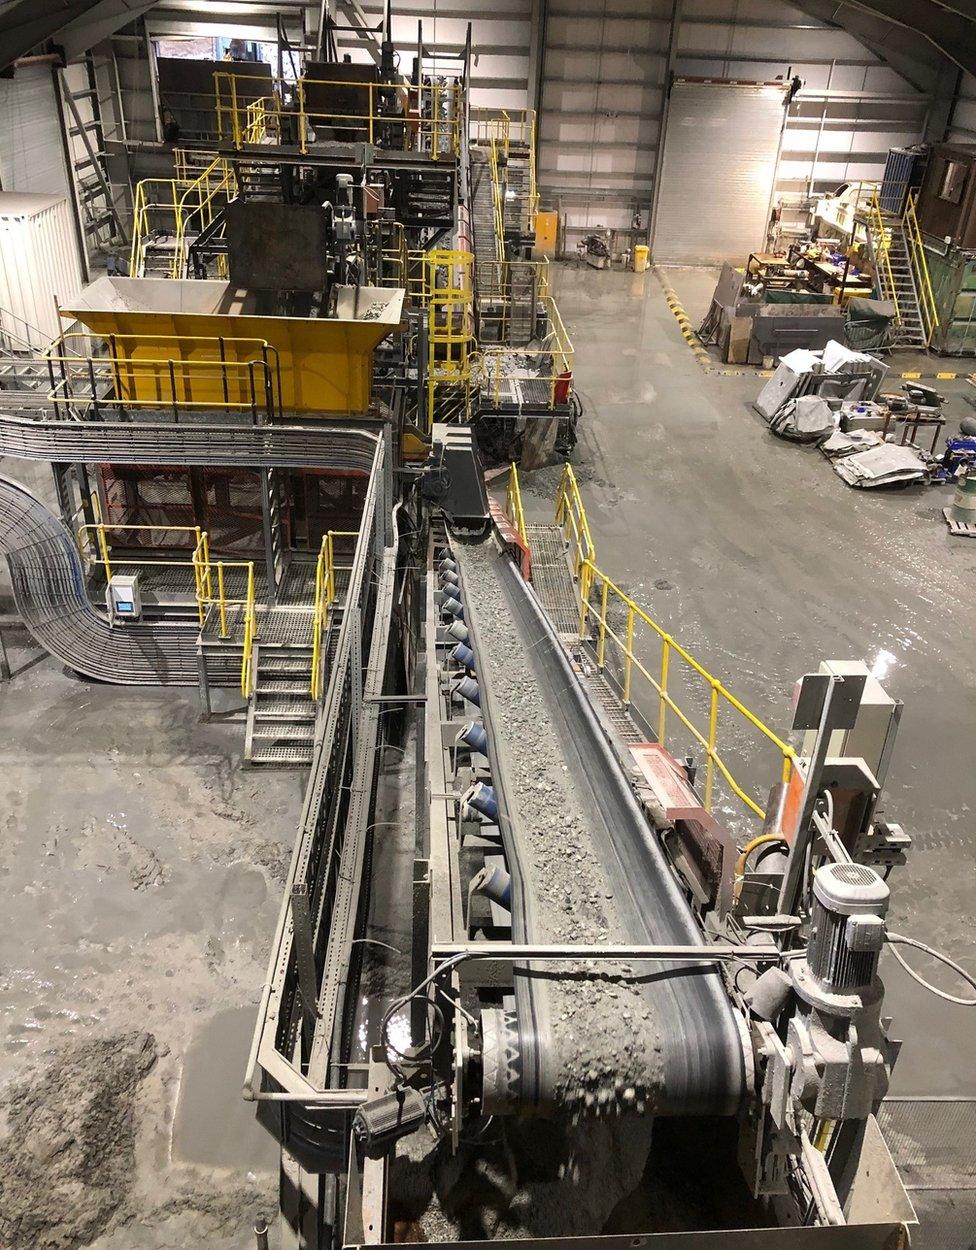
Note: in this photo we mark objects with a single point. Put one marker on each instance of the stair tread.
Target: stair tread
(276, 732)
(281, 755)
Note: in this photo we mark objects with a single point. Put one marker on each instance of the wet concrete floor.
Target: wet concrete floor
(141, 868)
(757, 557)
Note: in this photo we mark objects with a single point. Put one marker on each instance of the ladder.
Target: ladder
(89, 93)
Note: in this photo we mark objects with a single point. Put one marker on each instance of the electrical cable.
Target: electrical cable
(968, 977)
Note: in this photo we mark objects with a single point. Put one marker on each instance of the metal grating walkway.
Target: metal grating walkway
(556, 591)
(551, 579)
(931, 1142)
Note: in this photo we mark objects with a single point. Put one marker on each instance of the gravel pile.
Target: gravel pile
(606, 1052)
(67, 1150)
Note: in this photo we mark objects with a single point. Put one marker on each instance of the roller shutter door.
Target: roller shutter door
(720, 153)
(31, 154)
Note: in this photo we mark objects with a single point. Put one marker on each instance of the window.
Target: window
(953, 180)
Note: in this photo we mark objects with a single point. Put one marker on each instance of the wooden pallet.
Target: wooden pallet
(958, 529)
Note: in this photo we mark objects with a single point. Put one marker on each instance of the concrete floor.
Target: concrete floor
(141, 869)
(755, 555)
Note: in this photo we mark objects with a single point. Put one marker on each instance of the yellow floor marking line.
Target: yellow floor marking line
(704, 357)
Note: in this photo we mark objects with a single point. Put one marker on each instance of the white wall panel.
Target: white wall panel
(604, 69)
(501, 37)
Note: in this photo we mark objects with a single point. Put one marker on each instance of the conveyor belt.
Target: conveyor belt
(688, 1015)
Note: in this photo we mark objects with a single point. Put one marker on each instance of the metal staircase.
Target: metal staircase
(518, 194)
(281, 711)
(898, 276)
(897, 252)
(487, 245)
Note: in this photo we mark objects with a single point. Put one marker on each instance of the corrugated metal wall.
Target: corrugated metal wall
(720, 151)
(607, 59)
(962, 128)
(602, 89)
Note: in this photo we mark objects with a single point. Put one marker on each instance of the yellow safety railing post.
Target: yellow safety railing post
(103, 546)
(513, 503)
(712, 740)
(584, 599)
(663, 704)
(222, 598)
(629, 653)
(602, 646)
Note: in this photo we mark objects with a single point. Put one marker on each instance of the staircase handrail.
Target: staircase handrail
(920, 268)
(876, 223)
(497, 200)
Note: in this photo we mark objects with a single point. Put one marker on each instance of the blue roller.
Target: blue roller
(468, 689)
(495, 883)
(454, 608)
(463, 655)
(483, 799)
(458, 630)
(473, 735)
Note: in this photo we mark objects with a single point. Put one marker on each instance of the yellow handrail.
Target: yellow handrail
(920, 268)
(550, 362)
(571, 516)
(399, 116)
(513, 504)
(231, 374)
(203, 579)
(497, 200)
(450, 323)
(881, 254)
(326, 594)
(178, 203)
(250, 632)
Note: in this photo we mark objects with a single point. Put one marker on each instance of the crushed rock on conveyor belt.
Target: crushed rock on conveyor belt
(605, 1055)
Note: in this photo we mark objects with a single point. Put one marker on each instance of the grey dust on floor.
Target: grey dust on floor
(142, 869)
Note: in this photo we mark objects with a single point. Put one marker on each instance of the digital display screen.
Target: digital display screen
(122, 606)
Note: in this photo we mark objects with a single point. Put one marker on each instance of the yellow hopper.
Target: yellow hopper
(316, 364)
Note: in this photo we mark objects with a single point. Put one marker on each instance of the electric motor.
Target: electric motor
(849, 905)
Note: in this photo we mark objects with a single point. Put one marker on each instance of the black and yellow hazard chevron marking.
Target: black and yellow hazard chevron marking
(698, 350)
(702, 355)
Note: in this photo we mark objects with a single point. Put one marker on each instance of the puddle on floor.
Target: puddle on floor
(214, 1125)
